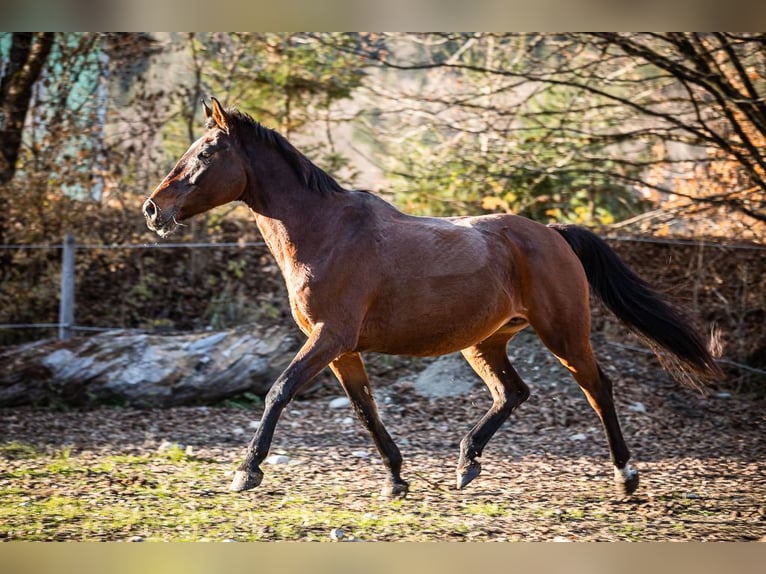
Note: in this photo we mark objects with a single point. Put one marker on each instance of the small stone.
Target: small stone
(723, 395)
(347, 421)
(238, 430)
(189, 450)
(254, 424)
(167, 445)
(691, 495)
(339, 403)
(337, 534)
(637, 407)
(360, 454)
(578, 436)
(278, 459)
(136, 539)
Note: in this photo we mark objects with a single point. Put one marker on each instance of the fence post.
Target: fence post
(66, 304)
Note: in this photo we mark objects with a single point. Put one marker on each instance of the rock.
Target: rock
(167, 445)
(277, 459)
(339, 403)
(637, 407)
(447, 376)
(137, 369)
(578, 437)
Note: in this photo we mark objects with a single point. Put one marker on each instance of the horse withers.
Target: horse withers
(363, 276)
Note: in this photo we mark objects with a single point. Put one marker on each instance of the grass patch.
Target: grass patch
(489, 509)
(18, 451)
(173, 496)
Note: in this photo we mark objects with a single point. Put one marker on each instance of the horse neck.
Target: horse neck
(290, 216)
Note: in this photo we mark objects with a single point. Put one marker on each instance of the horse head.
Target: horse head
(210, 173)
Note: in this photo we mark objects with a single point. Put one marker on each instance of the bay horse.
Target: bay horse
(363, 276)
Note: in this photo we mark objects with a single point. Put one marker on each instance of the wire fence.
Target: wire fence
(67, 323)
(133, 245)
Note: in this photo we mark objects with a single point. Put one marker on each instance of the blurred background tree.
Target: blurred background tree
(653, 132)
(590, 128)
(460, 137)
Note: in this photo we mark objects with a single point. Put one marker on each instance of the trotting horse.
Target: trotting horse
(363, 276)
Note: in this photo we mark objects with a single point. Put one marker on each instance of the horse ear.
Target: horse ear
(220, 117)
(206, 110)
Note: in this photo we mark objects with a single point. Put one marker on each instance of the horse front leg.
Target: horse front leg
(350, 371)
(319, 350)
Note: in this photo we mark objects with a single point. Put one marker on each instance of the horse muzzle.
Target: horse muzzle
(163, 223)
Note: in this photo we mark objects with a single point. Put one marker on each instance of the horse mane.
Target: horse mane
(311, 175)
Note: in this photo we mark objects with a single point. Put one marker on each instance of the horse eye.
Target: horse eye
(204, 154)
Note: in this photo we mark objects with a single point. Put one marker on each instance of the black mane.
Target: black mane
(312, 176)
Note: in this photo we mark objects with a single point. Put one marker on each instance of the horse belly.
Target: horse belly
(436, 317)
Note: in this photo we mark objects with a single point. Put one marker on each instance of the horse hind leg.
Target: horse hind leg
(349, 370)
(576, 354)
(598, 391)
(490, 361)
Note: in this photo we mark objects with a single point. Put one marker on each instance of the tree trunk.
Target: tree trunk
(28, 54)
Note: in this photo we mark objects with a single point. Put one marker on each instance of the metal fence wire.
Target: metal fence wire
(66, 324)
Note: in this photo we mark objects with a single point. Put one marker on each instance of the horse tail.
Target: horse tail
(643, 310)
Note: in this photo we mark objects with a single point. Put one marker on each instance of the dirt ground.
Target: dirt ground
(546, 474)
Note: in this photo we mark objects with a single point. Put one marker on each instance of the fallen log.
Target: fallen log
(143, 370)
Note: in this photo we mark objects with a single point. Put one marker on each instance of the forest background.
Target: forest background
(656, 137)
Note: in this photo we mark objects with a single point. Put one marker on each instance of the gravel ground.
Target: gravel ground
(546, 474)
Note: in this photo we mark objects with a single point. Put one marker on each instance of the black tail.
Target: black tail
(640, 307)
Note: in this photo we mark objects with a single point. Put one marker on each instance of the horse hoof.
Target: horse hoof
(467, 473)
(395, 489)
(245, 480)
(626, 480)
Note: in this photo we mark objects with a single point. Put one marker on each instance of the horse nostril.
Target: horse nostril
(150, 209)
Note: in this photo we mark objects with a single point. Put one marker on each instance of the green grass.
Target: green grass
(173, 495)
(486, 509)
(15, 450)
